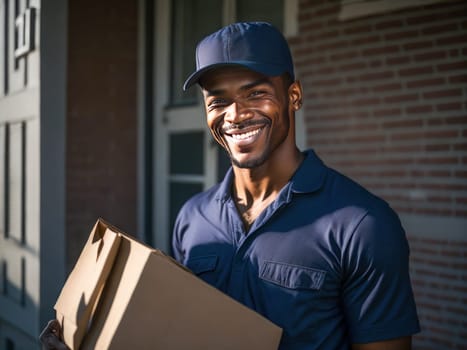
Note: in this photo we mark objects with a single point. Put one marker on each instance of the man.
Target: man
(283, 234)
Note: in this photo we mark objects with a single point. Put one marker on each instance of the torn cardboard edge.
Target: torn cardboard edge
(124, 294)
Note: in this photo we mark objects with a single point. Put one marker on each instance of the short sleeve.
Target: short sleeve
(177, 234)
(377, 293)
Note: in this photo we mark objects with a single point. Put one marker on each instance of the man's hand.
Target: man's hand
(51, 337)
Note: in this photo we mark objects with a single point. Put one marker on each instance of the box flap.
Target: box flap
(80, 293)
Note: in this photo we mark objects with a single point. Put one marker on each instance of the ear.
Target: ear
(295, 95)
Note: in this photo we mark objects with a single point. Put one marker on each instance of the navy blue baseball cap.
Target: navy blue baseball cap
(258, 46)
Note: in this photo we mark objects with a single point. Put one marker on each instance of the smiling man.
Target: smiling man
(287, 236)
(284, 234)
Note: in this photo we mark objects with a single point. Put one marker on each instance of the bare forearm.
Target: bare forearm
(404, 343)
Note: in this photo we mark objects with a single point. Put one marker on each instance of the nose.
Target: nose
(237, 113)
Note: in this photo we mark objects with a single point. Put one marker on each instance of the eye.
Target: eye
(256, 93)
(217, 103)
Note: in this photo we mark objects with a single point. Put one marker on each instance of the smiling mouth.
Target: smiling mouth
(245, 138)
(245, 135)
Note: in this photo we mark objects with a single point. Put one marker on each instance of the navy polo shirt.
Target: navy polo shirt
(327, 261)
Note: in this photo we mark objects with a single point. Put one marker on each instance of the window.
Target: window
(194, 19)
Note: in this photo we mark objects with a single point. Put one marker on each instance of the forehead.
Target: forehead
(230, 77)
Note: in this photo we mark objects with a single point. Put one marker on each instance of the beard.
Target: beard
(250, 163)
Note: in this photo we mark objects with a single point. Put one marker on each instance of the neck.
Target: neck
(260, 182)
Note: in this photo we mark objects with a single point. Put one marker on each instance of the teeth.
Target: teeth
(245, 135)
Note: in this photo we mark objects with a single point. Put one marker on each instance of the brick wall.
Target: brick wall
(386, 104)
(439, 278)
(101, 122)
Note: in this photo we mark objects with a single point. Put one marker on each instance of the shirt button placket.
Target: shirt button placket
(237, 276)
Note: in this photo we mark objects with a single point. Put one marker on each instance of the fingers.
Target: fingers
(51, 335)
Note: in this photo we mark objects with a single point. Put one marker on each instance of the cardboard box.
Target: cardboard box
(122, 294)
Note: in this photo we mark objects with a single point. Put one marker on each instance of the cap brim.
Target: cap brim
(266, 69)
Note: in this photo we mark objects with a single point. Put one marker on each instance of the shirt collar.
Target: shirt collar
(308, 178)
(310, 175)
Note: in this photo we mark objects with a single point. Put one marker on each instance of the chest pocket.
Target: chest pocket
(292, 276)
(202, 264)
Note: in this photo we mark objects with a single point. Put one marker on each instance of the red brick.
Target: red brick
(328, 10)
(443, 186)
(407, 123)
(454, 53)
(392, 148)
(433, 17)
(352, 66)
(387, 87)
(437, 134)
(438, 173)
(322, 36)
(440, 29)
(366, 40)
(401, 35)
(303, 53)
(438, 160)
(418, 45)
(430, 56)
(366, 101)
(397, 60)
(332, 45)
(383, 50)
(422, 19)
(320, 106)
(433, 211)
(458, 39)
(462, 65)
(460, 213)
(435, 242)
(327, 82)
(365, 28)
(311, 26)
(316, 61)
(437, 147)
(453, 106)
(365, 138)
(393, 23)
(460, 147)
(461, 78)
(346, 55)
(347, 92)
(426, 82)
(376, 76)
(375, 64)
(461, 174)
(317, 71)
(401, 98)
(419, 109)
(435, 122)
(387, 112)
(443, 93)
(407, 72)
